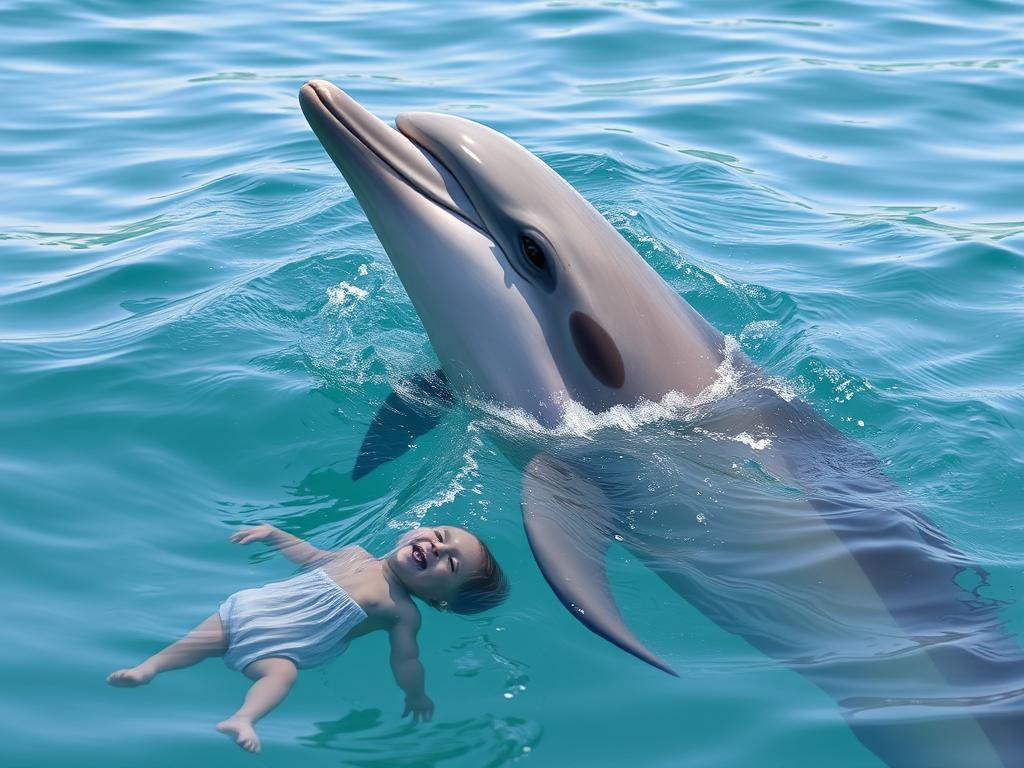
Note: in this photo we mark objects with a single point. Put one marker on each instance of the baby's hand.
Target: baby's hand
(261, 532)
(422, 708)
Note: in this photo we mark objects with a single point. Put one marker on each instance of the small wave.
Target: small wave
(579, 421)
(756, 443)
(456, 486)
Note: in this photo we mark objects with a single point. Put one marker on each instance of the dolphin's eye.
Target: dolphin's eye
(534, 253)
(540, 264)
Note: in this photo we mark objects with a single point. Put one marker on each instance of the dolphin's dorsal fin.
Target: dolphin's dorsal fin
(567, 525)
(412, 409)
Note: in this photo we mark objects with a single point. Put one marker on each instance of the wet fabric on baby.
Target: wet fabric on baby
(306, 619)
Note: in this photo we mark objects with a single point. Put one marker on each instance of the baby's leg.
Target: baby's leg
(205, 640)
(274, 678)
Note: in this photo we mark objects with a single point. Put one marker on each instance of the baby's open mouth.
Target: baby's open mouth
(419, 556)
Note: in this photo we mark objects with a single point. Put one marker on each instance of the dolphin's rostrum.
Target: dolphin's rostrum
(769, 520)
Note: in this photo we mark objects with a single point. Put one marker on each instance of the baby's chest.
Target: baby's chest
(370, 597)
(379, 616)
(368, 593)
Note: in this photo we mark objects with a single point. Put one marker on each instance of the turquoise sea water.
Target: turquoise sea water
(197, 324)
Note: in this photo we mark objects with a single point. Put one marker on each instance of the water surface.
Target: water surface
(197, 324)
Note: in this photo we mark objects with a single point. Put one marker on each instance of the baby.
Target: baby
(270, 632)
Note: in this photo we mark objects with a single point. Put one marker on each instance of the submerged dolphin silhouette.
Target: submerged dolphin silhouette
(531, 299)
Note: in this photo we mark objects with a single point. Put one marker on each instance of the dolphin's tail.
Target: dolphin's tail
(952, 701)
(935, 599)
(973, 716)
(935, 595)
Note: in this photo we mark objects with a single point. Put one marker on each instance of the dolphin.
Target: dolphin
(747, 503)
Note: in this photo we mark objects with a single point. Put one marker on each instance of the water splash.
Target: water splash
(338, 294)
(579, 421)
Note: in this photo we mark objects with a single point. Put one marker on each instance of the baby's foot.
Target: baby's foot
(129, 678)
(242, 732)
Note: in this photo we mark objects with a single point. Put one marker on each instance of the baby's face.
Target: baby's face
(435, 562)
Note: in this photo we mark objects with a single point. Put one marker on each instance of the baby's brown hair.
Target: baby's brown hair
(486, 589)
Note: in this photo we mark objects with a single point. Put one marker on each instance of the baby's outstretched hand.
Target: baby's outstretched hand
(261, 532)
(422, 708)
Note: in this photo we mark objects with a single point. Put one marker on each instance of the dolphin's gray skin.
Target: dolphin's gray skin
(750, 506)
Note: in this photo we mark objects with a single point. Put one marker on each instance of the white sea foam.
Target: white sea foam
(579, 421)
(718, 278)
(339, 293)
(781, 387)
(758, 444)
(759, 329)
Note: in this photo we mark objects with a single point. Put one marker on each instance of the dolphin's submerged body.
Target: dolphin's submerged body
(750, 506)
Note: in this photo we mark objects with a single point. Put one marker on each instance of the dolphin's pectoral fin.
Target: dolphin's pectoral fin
(411, 410)
(566, 522)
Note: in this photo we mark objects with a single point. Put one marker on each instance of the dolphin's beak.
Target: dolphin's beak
(368, 151)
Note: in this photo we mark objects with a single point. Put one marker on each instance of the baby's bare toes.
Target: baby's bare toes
(128, 678)
(242, 732)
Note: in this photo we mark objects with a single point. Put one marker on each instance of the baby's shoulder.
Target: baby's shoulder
(389, 608)
(352, 555)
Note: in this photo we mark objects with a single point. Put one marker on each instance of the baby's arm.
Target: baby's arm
(295, 549)
(405, 664)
